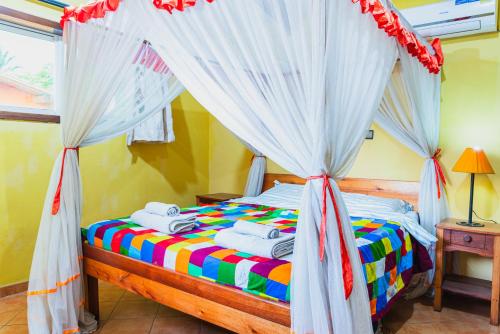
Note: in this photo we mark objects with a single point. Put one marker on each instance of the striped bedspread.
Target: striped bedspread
(384, 247)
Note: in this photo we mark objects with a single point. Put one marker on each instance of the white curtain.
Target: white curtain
(255, 178)
(410, 112)
(92, 95)
(136, 101)
(158, 128)
(301, 82)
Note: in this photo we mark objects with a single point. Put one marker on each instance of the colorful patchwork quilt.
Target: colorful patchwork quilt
(384, 246)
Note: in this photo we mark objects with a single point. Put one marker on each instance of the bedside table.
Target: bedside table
(214, 198)
(483, 241)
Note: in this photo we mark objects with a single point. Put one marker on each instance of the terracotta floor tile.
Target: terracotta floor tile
(21, 318)
(208, 328)
(105, 309)
(167, 312)
(132, 310)
(126, 326)
(129, 296)
(100, 327)
(14, 329)
(459, 315)
(125, 312)
(5, 317)
(180, 325)
(110, 294)
(13, 303)
(447, 328)
(107, 285)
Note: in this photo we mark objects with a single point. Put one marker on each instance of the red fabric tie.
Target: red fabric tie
(439, 172)
(56, 204)
(346, 262)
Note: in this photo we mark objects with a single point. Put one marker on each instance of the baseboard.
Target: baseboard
(12, 289)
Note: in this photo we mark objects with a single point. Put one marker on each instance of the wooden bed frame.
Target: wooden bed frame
(224, 306)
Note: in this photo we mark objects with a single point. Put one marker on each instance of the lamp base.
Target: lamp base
(470, 224)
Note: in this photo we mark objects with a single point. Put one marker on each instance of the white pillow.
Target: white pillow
(354, 201)
(285, 188)
(361, 201)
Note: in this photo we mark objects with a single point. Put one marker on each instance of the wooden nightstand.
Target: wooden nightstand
(483, 241)
(214, 198)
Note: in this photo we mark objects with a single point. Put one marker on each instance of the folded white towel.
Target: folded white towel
(164, 224)
(259, 230)
(275, 248)
(162, 209)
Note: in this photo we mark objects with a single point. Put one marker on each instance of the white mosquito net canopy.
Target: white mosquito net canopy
(299, 81)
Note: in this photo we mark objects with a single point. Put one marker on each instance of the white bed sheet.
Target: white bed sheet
(288, 196)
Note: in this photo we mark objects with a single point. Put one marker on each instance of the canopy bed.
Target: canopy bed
(107, 257)
(299, 81)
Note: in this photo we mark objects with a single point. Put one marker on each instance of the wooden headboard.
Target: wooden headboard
(405, 190)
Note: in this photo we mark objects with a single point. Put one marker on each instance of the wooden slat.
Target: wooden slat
(191, 303)
(405, 190)
(473, 240)
(213, 198)
(277, 312)
(438, 277)
(13, 289)
(269, 179)
(19, 116)
(488, 228)
(468, 286)
(495, 285)
(92, 295)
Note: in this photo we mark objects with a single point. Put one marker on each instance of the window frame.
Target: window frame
(37, 24)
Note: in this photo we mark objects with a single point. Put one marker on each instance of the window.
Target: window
(27, 62)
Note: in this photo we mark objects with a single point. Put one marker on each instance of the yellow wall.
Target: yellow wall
(228, 162)
(470, 116)
(117, 179)
(26, 154)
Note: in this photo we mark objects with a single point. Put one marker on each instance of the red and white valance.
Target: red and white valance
(170, 5)
(386, 19)
(94, 10)
(389, 21)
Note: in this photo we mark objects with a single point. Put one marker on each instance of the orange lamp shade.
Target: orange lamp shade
(473, 160)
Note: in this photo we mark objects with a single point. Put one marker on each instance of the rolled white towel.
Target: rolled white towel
(275, 248)
(162, 209)
(259, 230)
(164, 224)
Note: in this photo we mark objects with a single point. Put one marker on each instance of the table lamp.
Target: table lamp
(473, 161)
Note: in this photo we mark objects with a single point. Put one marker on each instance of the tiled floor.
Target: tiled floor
(123, 312)
(460, 315)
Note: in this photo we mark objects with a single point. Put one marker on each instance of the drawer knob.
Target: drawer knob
(467, 238)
